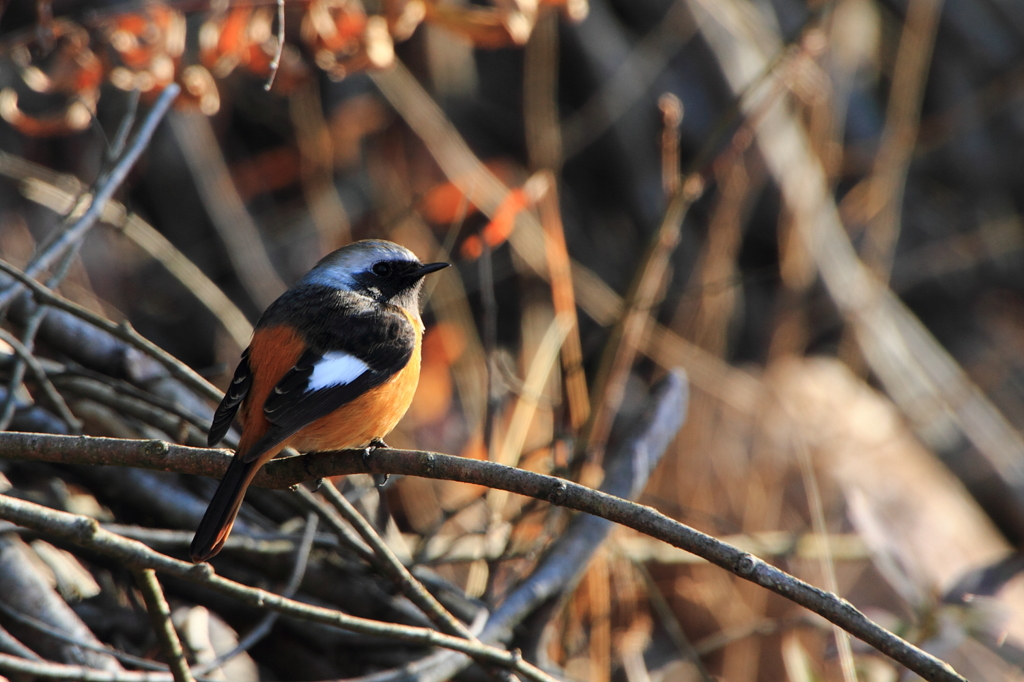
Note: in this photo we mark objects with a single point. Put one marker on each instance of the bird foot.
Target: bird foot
(379, 479)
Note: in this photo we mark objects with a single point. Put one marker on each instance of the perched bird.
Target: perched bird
(333, 364)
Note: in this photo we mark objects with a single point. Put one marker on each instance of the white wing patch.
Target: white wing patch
(337, 368)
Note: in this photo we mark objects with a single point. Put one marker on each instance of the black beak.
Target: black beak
(429, 268)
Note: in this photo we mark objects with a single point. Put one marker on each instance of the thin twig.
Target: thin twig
(123, 331)
(276, 63)
(540, 95)
(50, 631)
(160, 616)
(252, 543)
(28, 339)
(57, 192)
(887, 183)
(622, 347)
(53, 396)
(75, 673)
(671, 118)
(670, 622)
(563, 301)
(86, 532)
(418, 670)
(342, 532)
(719, 640)
(263, 628)
(18, 372)
(121, 136)
(489, 338)
(828, 566)
(542, 363)
(406, 582)
(111, 183)
(228, 213)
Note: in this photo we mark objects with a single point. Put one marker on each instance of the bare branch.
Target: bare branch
(160, 615)
(410, 586)
(86, 532)
(52, 396)
(122, 331)
(23, 590)
(628, 468)
(263, 628)
(284, 472)
(276, 63)
(57, 671)
(108, 186)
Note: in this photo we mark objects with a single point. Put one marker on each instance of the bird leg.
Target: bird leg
(319, 480)
(379, 479)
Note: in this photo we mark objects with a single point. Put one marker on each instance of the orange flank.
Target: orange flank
(371, 415)
(274, 350)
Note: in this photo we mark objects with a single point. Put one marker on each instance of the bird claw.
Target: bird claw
(380, 480)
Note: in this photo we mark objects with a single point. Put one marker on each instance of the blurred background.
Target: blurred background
(814, 208)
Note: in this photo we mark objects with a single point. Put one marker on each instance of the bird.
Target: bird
(333, 363)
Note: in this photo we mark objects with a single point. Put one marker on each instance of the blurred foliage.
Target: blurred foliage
(913, 111)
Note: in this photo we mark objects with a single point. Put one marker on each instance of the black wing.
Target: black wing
(233, 397)
(369, 347)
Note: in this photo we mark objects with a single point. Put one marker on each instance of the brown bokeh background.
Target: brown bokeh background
(818, 204)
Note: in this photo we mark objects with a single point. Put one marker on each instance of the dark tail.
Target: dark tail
(220, 516)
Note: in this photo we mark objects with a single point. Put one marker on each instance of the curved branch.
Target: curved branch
(288, 471)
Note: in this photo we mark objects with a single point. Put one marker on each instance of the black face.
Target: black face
(388, 279)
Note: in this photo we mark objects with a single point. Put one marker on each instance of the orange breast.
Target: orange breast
(372, 415)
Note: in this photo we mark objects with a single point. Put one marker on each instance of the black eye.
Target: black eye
(382, 269)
